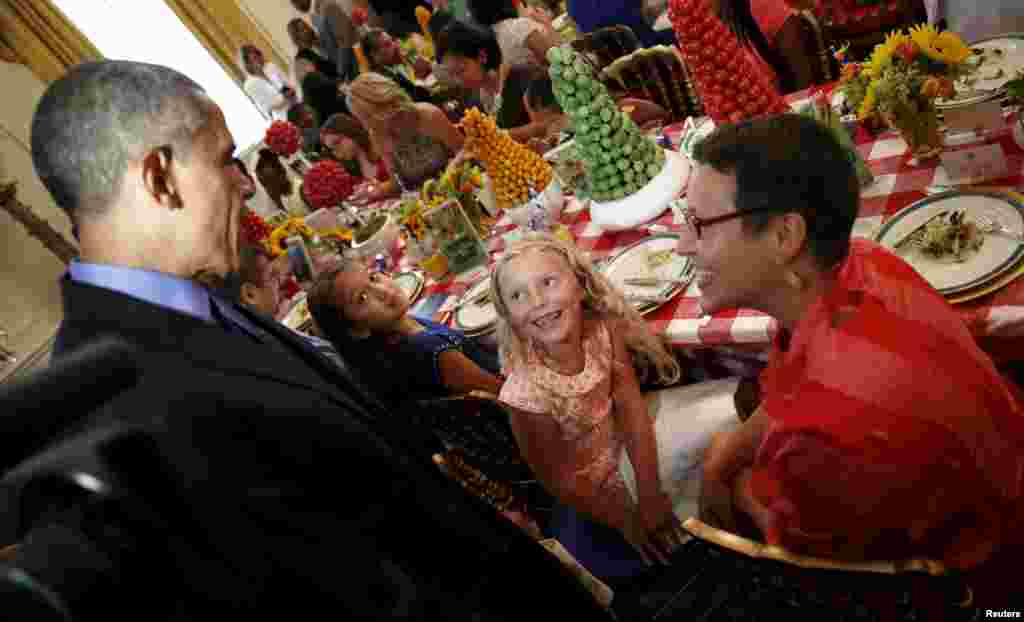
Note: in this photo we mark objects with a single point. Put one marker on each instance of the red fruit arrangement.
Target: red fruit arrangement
(290, 287)
(254, 229)
(326, 184)
(359, 17)
(283, 138)
(731, 86)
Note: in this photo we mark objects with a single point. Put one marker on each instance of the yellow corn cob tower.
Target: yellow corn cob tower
(513, 168)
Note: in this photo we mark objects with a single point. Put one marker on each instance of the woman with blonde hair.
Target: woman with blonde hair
(416, 140)
(571, 346)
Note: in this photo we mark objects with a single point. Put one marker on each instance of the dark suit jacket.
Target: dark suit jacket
(285, 487)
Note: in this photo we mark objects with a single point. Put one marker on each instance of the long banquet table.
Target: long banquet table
(997, 320)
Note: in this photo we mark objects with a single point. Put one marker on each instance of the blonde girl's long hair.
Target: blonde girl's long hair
(600, 300)
(374, 99)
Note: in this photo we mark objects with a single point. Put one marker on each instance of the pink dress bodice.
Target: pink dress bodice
(586, 456)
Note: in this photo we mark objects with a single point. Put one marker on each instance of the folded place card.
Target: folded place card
(978, 118)
(967, 166)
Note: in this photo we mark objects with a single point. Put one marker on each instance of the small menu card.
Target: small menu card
(976, 164)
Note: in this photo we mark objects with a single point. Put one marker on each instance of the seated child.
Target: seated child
(568, 341)
(403, 357)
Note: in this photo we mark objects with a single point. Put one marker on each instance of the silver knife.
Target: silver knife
(651, 281)
(906, 237)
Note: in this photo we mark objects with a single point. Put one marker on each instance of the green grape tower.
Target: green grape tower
(617, 157)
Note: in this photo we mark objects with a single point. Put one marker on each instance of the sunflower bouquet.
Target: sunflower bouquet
(899, 83)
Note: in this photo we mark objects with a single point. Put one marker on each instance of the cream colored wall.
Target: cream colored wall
(273, 16)
(30, 306)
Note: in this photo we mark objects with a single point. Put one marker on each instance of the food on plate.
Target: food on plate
(951, 236)
(656, 259)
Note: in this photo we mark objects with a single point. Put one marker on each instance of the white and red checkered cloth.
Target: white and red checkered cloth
(997, 319)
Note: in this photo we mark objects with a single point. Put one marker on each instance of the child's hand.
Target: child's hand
(660, 523)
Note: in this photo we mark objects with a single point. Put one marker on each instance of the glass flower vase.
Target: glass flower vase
(918, 124)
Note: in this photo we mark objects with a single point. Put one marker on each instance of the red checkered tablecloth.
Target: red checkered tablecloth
(997, 319)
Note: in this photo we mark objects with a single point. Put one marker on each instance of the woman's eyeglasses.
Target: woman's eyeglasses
(699, 224)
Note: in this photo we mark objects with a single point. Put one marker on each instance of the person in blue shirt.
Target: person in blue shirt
(591, 15)
(366, 316)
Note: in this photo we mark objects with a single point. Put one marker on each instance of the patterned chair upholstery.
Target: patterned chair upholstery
(658, 74)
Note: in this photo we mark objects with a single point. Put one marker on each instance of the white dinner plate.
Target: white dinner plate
(997, 254)
(634, 261)
(988, 86)
(409, 282)
(475, 318)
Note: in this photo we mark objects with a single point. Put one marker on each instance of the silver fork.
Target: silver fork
(989, 225)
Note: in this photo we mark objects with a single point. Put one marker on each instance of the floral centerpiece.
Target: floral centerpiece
(327, 184)
(900, 82)
(446, 217)
(283, 138)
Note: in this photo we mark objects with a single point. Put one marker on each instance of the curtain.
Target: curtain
(37, 34)
(222, 27)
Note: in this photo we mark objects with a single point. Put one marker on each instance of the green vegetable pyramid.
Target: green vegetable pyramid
(617, 157)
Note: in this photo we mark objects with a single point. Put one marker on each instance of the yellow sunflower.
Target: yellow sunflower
(945, 46)
(881, 57)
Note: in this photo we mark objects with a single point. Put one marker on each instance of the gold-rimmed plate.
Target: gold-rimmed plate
(653, 257)
(997, 255)
(474, 315)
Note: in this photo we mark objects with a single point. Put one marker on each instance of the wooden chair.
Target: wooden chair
(863, 28)
(718, 575)
(658, 74)
(605, 45)
(824, 66)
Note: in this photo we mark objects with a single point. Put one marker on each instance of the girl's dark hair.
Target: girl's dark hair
(490, 12)
(737, 16)
(377, 364)
(332, 324)
(468, 40)
(347, 125)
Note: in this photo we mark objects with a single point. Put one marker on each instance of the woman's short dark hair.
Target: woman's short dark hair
(490, 12)
(789, 163)
(349, 126)
(468, 40)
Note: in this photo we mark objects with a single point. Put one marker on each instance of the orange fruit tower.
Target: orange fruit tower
(514, 169)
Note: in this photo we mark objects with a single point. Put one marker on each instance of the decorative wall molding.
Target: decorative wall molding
(37, 227)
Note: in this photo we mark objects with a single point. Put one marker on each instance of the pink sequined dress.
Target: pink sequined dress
(577, 449)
